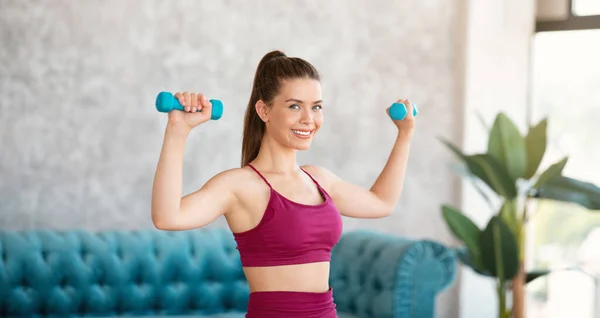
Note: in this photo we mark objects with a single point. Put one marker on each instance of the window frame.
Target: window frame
(571, 23)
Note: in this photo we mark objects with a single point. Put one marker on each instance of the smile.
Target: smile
(302, 133)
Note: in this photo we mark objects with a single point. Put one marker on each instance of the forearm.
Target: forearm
(167, 187)
(388, 185)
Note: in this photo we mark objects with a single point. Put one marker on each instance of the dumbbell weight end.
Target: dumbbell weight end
(398, 111)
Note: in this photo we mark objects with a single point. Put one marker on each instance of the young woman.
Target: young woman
(285, 218)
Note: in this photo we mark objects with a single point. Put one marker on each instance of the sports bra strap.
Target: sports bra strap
(267, 182)
(311, 177)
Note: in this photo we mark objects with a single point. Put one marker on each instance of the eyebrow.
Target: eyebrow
(299, 101)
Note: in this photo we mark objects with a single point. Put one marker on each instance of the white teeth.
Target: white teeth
(303, 133)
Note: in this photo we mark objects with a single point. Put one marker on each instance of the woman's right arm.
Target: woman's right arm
(171, 211)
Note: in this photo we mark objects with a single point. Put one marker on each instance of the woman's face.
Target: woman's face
(295, 116)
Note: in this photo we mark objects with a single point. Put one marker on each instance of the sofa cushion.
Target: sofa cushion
(80, 272)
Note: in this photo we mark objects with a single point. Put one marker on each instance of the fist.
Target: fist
(196, 110)
(408, 123)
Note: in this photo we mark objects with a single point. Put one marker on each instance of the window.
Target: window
(586, 7)
(565, 87)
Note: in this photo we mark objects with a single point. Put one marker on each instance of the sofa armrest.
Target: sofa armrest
(382, 275)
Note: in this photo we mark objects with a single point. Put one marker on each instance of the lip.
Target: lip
(303, 136)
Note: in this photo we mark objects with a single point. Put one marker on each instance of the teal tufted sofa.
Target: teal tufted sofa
(198, 274)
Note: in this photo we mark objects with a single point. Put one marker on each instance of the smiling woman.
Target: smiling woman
(286, 101)
(285, 218)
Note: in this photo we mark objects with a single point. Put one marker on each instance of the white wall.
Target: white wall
(497, 64)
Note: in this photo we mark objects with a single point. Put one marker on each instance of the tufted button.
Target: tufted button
(101, 281)
(362, 278)
(376, 254)
(24, 282)
(138, 279)
(352, 306)
(377, 284)
(155, 251)
(63, 282)
(85, 257)
(156, 305)
(120, 254)
(81, 309)
(360, 250)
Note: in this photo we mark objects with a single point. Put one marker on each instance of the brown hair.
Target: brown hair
(274, 68)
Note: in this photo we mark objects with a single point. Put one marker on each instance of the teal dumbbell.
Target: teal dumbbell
(166, 102)
(398, 111)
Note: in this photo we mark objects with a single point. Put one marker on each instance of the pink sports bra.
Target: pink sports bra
(291, 232)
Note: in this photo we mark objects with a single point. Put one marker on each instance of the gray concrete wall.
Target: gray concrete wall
(80, 138)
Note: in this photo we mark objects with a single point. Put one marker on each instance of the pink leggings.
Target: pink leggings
(291, 304)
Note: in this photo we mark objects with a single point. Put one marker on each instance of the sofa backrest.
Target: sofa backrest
(120, 272)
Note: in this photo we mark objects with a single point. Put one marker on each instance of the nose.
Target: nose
(307, 117)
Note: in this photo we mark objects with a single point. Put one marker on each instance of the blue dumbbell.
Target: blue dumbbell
(398, 111)
(166, 102)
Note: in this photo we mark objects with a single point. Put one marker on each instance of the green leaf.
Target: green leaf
(552, 171)
(465, 256)
(452, 147)
(507, 146)
(535, 143)
(493, 174)
(499, 249)
(567, 189)
(462, 170)
(465, 230)
(508, 213)
(533, 275)
(488, 170)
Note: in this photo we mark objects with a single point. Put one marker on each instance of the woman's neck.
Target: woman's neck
(273, 157)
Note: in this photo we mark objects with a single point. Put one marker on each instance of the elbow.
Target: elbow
(175, 222)
(160, 224)
(385, 213)
(386, 210)
(164, 225)
(164, 216)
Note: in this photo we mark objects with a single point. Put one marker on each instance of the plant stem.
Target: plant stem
(502, 313)
(518, 291)
(518, 282)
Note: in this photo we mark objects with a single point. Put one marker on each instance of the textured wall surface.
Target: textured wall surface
(80, 138)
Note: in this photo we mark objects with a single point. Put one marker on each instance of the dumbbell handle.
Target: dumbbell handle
(398, 111)
(166, 102)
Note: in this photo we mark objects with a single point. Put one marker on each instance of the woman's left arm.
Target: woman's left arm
(378, 201)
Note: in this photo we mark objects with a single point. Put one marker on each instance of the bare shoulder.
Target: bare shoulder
(324, 176)
(233, 178)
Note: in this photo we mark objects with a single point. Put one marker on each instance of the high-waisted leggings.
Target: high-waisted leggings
(291, 304)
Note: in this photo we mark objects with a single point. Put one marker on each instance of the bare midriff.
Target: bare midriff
(311, 277)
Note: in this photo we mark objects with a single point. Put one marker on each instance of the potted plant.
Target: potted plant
(509, 168)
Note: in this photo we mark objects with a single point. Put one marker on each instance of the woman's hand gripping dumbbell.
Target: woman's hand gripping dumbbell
(399, 112)
(193, 108)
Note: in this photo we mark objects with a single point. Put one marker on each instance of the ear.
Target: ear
(262, 109)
